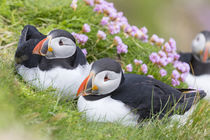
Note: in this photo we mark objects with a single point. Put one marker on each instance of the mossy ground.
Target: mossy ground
(40, 113)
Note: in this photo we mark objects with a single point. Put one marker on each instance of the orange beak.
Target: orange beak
(206, 52)
(83, 87)
(39, 46)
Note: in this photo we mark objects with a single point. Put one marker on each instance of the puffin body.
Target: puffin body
(199, 60)
(58, 62)
(108, 95)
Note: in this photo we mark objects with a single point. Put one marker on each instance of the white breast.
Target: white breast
(65, 81)
(107, 110)
(199, 82)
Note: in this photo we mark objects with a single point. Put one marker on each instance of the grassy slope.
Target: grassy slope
(42, 113)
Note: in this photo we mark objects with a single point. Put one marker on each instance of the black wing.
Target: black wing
(150, 97)
(186, 57)
(30, 36)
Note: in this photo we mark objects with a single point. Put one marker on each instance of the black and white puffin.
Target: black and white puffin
(199, 60)
(108, 95)
(52, 60)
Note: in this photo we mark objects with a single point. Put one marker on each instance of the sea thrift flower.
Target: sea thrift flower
(183, 76)
(89, 2)
(74, 5)
(172, 43)
(160, 41)
(163, 72)
(144, 68)
(137, 62)
(144, 30)
(154, 38)
(163, 61)
(154, 57)
(86, 28)
(162, 53)
(84, 51)
(81, 38)
(101, 35)
(104, 21)
(117, 40)
(167, 47)
(122, 48)
(175, 74)
(113, 28)
(129, 68)
(175, 82)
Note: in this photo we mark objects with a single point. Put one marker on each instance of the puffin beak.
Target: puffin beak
(42, 47)
(86, 88)
(206, 52)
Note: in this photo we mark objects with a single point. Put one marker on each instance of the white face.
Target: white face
(198, 44)
(62, 47)
(107, 81)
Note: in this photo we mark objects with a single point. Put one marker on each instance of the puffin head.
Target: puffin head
(57, 44)
(201, 45)
(105, 76)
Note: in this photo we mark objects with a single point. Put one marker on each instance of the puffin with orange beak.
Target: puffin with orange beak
(199, 60)
(60, 63)
(109, 95)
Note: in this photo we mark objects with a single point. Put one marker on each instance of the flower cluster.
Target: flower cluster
(74, 4)
(86, 28)
(115, 22)
(143, 67)
(101, 35)
(121, 47)
(81, 38)
(168, 55)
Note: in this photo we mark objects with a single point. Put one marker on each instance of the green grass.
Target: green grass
(40, 114)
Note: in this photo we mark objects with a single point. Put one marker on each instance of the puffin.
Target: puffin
(51, 60)
(109, 95)
(199, 60)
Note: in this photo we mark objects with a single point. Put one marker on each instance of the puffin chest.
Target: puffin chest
(107, 110)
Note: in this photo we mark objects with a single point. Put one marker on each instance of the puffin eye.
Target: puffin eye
(198, 38)
(106, 78)
(60, 42)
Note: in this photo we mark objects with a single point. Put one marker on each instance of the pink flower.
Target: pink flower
(117, 40)
(137, 62)
(183, 76)
(129, 68)
(113, 28)
(163, 72)
(81, 38)
(101, 35)
(176, 56)
(163, 61)
(172, 43)
(154, 57)
(175, 74)
(144, 68)
(167, 47)
(144, 30)
(105, 21)
(154, 38)
(89, 2)
(74, 5)
(86, 28)
(175, 82)
(159, 41)
(122, 48)
(162, 53)
(84, 51)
